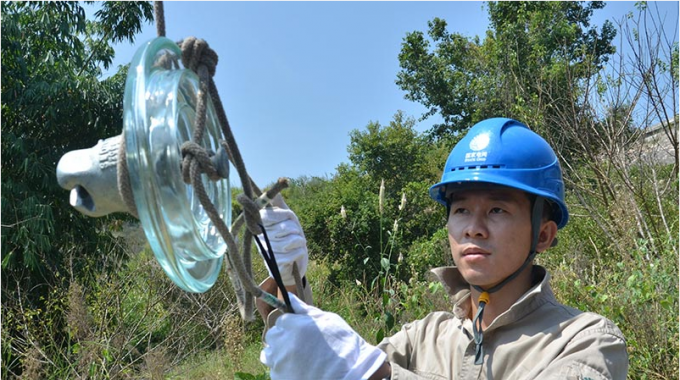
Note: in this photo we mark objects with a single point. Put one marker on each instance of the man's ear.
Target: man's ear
(546, 236)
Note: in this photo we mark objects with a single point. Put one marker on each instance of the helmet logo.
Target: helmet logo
(477, 144)
(480, 142)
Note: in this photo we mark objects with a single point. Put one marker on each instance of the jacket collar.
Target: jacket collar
(459, 291)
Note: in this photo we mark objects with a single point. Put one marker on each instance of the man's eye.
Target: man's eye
(459, 210)
(497, 210)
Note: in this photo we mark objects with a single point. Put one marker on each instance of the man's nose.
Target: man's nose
(476, 226)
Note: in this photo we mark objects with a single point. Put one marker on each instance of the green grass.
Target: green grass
(615, 291)
(214, 365)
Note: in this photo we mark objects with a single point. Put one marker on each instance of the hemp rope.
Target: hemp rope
(198, 57)
(159, 16)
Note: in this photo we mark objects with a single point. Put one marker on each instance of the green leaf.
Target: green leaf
(380, 335)
(385, 263)
(389, 320)
(7, 259)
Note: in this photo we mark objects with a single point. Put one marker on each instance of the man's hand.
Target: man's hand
(314, 344)
(286, 238)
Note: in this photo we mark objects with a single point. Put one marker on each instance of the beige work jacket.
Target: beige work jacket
(537, 338)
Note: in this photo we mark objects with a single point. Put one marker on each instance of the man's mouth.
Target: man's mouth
(475, 252)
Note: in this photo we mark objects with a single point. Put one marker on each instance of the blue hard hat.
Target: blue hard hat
(505, 152)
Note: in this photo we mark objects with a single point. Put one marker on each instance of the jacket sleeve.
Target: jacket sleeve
(399, 348)
(597, 353)
(400, 373)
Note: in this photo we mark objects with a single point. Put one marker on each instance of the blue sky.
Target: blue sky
(296, 77)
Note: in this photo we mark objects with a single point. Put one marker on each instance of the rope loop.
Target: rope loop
(196, 52)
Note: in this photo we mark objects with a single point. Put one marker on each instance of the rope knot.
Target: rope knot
(192, 152)
(251, 212)
(196, 52)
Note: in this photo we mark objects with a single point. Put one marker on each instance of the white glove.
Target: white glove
(286, 238)
(314, 344)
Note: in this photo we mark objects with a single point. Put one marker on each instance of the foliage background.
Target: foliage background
(84, 298)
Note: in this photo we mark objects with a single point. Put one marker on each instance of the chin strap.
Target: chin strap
(477, 327)
(484, 297)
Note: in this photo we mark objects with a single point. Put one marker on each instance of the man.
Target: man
(503, 190)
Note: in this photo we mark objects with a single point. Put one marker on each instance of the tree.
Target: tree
(444, 80)
(394, 153)
(53, 101)
(361, 239)
(621, 174)
(519, 65)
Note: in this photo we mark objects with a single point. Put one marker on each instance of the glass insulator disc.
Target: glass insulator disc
(159, 109)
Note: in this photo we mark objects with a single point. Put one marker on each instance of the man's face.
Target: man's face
(489, 233)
